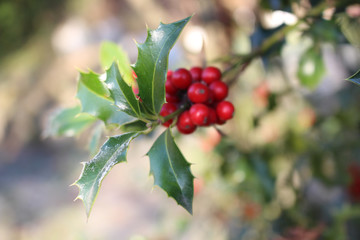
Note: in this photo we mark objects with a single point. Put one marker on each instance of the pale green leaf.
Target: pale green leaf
(110, 52)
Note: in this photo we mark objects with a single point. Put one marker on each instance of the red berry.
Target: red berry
(169, 74)
(198, 93)
(184, 123)
(181, 78)
(199, 114)
(196, 73)
(170, 88)
(167, 109)
(212, 117)
(225, 110)
(172, 98)
(219, 89)
(211, 74)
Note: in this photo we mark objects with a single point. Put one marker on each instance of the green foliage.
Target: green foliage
(171, 171)
(355, 78)
(68, 122)
(109, 97)
(121, 92)
(311, 68)
(95, 100)
(152, 62)
(111, 52)
(111, 153)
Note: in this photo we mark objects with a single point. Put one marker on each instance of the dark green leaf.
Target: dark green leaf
(95, 99)
(110, 52)
(151, 65)
(311, 68)
(171, 171)
(111, 153)
(67, 122)
(136, 126)
(355, 78)
(122, 93)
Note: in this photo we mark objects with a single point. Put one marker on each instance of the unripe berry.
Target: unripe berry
(219, 89)
(211, 74)
(199, 114)
(198, 93)
(225, 110)
(184, 123)
(181, 78)
(167, 109)
(196, 73)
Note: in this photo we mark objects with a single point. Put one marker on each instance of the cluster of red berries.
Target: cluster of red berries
(203, 94)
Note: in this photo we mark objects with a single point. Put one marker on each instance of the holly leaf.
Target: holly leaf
(152, 62)
(110, 52)
(311, 68)
(135, 126)
(121, 92)
(171, 171)
(111, 153)
(96, 100)
(67, 122)
(355, 78)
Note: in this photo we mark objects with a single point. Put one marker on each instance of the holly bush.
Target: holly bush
(136, 99)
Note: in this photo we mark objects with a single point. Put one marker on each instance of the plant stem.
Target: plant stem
(245, 60)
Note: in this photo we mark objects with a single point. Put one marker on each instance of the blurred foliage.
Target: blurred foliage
(19, 20)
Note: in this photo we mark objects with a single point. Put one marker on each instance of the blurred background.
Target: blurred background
(288, 167)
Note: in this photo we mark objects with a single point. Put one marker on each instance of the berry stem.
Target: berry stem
(181, 109)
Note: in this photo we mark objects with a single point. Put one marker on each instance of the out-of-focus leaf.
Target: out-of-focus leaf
(350, 27)
(121, 92)
(67, 122)
(171, 171)
(111, 153)
(110, 52)
(136, 126)
(95, 100)
(355, 78)
(95, 139)
(151, 65)
(311, 68)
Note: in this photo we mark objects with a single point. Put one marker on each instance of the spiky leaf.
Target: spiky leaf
(121, 92)
(171, 171)
(135, 126)
(111, 153)
(67, 122)
(355, 78)
(110, 52)
(96, 100)
(151, 65)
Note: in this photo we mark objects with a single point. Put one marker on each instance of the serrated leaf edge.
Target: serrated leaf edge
(110, 167)
(168, 132)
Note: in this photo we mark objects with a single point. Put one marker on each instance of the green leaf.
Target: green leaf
(121, 92)
(152, 62)
(171, 171)
(355, 78)
(94, 141)
(311, 68)
(136, 126)
(110, 52)
(111, 153)
(95, 100)
(350, 27)
(67, 122)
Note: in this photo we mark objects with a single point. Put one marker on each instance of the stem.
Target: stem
(181, 109)
(245, 60)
